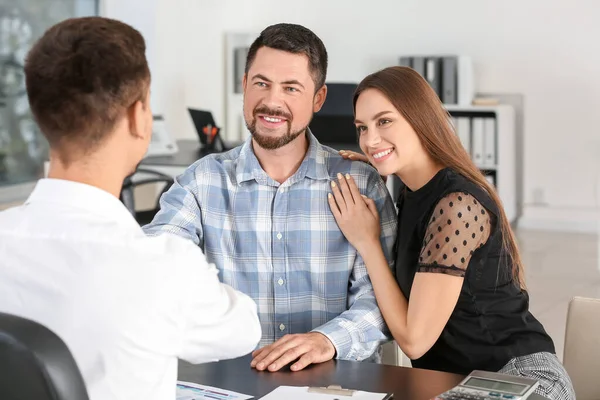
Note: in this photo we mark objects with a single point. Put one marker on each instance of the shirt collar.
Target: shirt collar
(313, 166)
(82, 196)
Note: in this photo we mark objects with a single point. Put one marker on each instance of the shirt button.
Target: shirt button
(282, 327)
(279, 236)
(280, 281)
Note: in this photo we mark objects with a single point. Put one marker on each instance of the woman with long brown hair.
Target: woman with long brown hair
(456, 301)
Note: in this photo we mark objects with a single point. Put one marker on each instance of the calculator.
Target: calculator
(483, 385)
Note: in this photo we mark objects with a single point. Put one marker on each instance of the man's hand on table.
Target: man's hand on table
(306, 348)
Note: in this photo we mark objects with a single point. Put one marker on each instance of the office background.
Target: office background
(540, 54)
(543, 50)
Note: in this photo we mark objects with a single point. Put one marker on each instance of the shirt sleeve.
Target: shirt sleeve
(458, 226)
(218, 322)
(358, 332)
(179, 212)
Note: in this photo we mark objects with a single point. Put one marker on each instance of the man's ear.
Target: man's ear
(319, 98)
(244, 81)
(138, 120)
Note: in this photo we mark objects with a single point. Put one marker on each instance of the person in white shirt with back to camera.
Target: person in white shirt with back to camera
(74, 259)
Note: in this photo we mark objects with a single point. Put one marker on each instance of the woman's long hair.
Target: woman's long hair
(418, 103)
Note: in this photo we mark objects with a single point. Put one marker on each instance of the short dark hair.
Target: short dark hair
(294, 39)
(81, 77)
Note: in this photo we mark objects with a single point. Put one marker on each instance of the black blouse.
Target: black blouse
(449, 226)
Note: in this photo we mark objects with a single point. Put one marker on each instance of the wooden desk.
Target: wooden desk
(405, 383)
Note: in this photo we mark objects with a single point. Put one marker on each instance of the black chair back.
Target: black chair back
(36, 364)
(127, 195)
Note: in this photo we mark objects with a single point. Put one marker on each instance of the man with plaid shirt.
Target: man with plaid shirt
(261, 215)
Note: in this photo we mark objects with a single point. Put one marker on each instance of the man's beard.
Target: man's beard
(268, 142)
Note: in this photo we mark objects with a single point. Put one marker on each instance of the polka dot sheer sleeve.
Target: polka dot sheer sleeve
(458, 226)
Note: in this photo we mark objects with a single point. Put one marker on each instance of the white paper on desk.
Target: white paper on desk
(193, 391)
(301, 393)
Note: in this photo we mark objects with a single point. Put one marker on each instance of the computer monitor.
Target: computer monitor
(333, 125)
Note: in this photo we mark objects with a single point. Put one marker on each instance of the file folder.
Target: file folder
(418, 64)
(477, 148)
(463, 129)
(406, 61)
(489, 152)
(454, 124)
(433, 74)
(449, 80)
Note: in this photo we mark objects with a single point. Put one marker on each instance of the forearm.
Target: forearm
(391, 300)
(179, 213)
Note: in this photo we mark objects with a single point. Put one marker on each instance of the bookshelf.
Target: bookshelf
(489, 136)
(488, 133)
(236, 50)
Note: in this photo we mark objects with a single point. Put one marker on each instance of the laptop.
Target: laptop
(202, 119)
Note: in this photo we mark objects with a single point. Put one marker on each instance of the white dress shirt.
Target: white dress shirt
(73, 259)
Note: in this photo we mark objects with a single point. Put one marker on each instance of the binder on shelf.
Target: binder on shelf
(489, 153)
(463, 129)
(418, 64)
(477, 148)
(433, 73)
(454, 124)
(451, 76)
(449, 80)
(406, 61)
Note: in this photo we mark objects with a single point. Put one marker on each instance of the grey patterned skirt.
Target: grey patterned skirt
(555, 383)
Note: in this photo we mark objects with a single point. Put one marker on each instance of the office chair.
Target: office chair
(36, 364)
(127, 196)
(581, 356)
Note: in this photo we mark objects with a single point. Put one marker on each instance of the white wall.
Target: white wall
(141, 14)
(544, 49)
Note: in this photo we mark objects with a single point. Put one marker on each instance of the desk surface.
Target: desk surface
(405, 383)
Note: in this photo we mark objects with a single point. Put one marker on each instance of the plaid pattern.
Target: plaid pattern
(555, 383)
(280, 244)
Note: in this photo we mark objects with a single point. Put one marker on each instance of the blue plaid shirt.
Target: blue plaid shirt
(280, 244)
